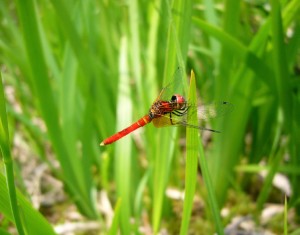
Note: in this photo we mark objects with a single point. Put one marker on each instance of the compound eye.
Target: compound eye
(174, 98)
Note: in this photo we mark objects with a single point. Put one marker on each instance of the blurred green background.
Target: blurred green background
(75, 72)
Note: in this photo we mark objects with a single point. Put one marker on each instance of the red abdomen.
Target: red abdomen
(141, 122)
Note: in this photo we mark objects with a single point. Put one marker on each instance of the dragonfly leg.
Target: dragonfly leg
(171, 120)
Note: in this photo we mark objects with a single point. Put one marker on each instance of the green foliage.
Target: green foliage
(285, 225)
(87, 69)
(9, 202)
(191, 161)
(32, 221)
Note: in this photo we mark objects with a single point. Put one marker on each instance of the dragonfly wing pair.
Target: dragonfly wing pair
(204, 113)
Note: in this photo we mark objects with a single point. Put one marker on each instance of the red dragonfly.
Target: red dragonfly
(170, 109)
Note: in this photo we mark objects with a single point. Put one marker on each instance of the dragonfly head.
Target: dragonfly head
(178, 101)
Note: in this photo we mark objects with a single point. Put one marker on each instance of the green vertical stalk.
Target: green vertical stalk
(123, 149)
(230, 25)
(179, 25)
(280, 63)
(116, 220)
(32, 221)
(135, 49)
(8, 162)
(285, 217)
(47, 105)
(192, 143)
(211, 195)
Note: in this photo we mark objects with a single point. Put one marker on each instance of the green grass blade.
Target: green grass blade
(123, 148)
(70, 56)
(47, 105)
(84, 57)
(152, 51)
(280, 63)
(230, 25)
(281, 73)
(139, 193)
(34, 223)
(39, 73)
(229, 143)
(295, 151)
(233, 44)
(285, 217)
(153, 72)
(296, 232)
(8, 162)
(135, 50)
(212, 202)
(238, 50)
(211, 17)
(3, 232)
(175, 56)
(176, 52)
(71, 33)
(274, 164)
(192, 136)
(116, 220)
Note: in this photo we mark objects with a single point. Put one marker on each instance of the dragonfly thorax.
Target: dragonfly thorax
(162, 107)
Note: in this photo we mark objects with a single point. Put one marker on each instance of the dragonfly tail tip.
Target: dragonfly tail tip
(102, 143)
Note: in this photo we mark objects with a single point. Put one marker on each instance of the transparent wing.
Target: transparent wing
(214, 110)
(204, 112)
(174, 87)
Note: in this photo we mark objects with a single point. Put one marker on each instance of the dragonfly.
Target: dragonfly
(170, 108)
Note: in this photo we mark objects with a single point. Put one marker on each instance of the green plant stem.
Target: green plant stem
(8, 162)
